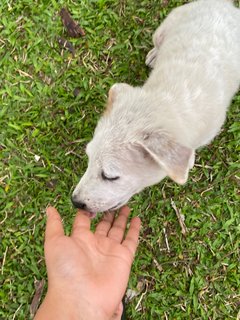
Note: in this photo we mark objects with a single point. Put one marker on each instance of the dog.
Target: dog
(147, 133)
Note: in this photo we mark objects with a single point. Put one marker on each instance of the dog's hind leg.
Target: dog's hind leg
(158, 37)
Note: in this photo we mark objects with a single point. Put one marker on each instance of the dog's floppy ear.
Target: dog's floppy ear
(173, 157)
(114, 92)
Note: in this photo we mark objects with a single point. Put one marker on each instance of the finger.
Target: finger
(54, 227)
(119, 225)
(131, 240)
(105, 224)
(81, 222)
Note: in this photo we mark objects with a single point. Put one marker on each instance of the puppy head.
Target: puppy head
(123, 160)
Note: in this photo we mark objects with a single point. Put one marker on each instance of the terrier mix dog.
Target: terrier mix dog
(150, 132)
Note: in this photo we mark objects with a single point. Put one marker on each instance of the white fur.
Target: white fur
(152, 131)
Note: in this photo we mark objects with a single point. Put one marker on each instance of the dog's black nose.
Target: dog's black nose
(78, 204)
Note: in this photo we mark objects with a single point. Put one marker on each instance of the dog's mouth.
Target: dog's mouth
(117, 206)
(92, 215)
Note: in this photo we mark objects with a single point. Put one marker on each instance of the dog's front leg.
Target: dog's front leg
(158, 37)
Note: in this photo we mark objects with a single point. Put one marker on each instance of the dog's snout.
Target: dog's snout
(79, 204)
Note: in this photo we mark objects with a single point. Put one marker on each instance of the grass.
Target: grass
(44, 130)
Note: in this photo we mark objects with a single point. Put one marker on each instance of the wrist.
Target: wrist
(60, 307)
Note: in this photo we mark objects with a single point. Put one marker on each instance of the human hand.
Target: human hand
(87, 272)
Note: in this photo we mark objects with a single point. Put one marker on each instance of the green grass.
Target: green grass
(198, 276)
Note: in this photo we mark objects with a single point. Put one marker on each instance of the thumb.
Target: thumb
(54, 227)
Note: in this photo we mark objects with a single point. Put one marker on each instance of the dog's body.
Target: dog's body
(196, 69)
(152, 131)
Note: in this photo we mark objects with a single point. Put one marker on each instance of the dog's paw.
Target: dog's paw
(151, 58)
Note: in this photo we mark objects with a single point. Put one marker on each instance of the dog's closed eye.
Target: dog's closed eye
(105, 177)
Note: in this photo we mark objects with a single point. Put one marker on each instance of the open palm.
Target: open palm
(91, 267)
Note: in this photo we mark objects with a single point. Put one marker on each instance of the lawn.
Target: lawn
(51, 100)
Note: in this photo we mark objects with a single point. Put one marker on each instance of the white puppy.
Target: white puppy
(150, 132)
